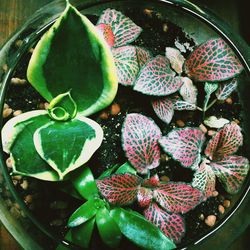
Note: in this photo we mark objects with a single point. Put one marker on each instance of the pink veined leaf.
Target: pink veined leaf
(212, 61)
(126, 64)
(184, 145)
(226, 89)
(143, 55)
(119, 189)
(225, 142)
(144, 196)
(172, 225)
(204, 179)
(152, 182)
(175, 58)
(106, 31)
(124, 29)
(231, 171)
(140, 137)
(156, 78)
(177, 197)
(188, 91)
(164, 109)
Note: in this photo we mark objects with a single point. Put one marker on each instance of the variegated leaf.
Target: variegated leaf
(212, 61)
(176, 59)
(214, 122)
(226, 89)
(184, 145)
(126, 64)
(107, 33)
(144, 196)
(209, 89)
(143, 55)
(124, 29)
(164, 109)
(188, 91)
(225, 142)
(204, 179)
(177, 197)
(156, 78)
(183, 105)
(172, 225)
(119, 189)
(231, 171)
(140, 137)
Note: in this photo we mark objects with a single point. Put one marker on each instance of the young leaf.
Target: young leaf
(140, 231)
(124, 29)
(140, 142)
(225, 142)
(144, 196)
(17, 137)
(156, 78)
(226, 89)
(231, 171)
(188, 91)
(214, 122)
(175, 58)
(107, 33)
(183, 105)
(119, 189)
(204, 179)
(143, 55)
(172, 225)
(184, 145)
(66, 146)
(212, 61)
(126, 64)
(209, 89)
(177, 197)
(74, 64)
(152, 182)
(108, 229)
(164, 109)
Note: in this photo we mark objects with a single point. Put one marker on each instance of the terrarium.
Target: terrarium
(124, 126)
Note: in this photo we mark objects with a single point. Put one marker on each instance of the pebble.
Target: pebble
(201, 217)
(164, 178)
(18, 81)
(15, 212)
(221, 209)
(211, 132)
(16, 205)
(226, 203)
(215, 193)
(236, 121)
(180, 123)
(229, 101)
(58, 205)
(210, 220)
(115, 109)
(165, 27)
(24, 185)
(9, 163)
(31, 50)
(148, 12)
(164, 158)
(15, 182)
(5, 68)
(5, 106)
(17, 177)
(56, 222)
(28, 198)
(203, 128)
(7, 112)
(104, 115)
(17, 112)
(46, 105)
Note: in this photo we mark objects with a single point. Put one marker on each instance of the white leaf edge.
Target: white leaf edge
(176, 59)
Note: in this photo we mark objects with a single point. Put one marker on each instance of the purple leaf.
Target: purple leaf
(188, 91)
(177, 197)
(225, 142)
(175, 58)
(212, 61)
(152, 182)
(126, 64)
(184, 145)
(119, 189)
(124, 29)
(106, 31)
(140, 137)
(204, 179)
(172, 225)
(231, 171)
(163, 107)
(144, 196)
(226, 89)
(156, 78)
(143, 55)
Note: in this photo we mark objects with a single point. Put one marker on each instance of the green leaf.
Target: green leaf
(17, 137)
(140, 231)
(85, 212)
(81, 235)
(84, 183)
(108, 229)
(209, 88)
(108, 172)
(72, 56)
(66, 146)
(126, 168)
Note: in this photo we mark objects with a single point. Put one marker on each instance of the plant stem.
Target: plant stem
(211, 104)
(198, 108)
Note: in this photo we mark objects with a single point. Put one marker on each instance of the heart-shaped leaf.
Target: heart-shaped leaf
(212, 61)
(144, 196)
(204, 179)
(214, 122)
(126, 64)
(172, 225)
(226, 89)
(164, 108)
(66, 146)
(107, 33)
(17, 137)
(184, 145)
(209, 89)
(175, 58)
(140, 137)
(124, 29)
(140, 231)
(74, 64)
(225, 142)
(188, 91)
(231, 171)
(143, 55)
(119, 189)
(177, 197)
(156, 78)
